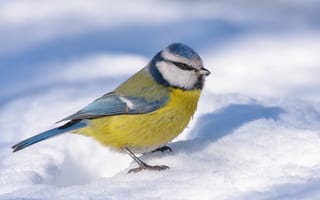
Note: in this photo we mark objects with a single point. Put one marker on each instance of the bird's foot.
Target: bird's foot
(149, 167)
(143, 165)
(163, 149)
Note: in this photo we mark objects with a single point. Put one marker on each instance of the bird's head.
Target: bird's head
(179, 66)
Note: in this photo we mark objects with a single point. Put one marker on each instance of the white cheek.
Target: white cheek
(176, 76)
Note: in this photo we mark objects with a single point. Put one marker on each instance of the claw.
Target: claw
(163, 149)
(149, 167)
(143, 165)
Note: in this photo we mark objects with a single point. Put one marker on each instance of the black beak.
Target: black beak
(204, 71)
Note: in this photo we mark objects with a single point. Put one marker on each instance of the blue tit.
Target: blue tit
(143, 113)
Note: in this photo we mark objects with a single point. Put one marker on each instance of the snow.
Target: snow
(253, 157)
(256, 131)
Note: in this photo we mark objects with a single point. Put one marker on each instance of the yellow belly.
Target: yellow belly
(145, 132)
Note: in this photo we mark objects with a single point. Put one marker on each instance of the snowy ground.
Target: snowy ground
(255, 134)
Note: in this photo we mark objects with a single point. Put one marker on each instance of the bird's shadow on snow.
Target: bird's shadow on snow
(223, 121)
(213, 126)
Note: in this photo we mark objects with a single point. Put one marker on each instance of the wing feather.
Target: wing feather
(114, 104)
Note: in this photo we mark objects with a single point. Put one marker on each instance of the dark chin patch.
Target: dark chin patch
(199, 84)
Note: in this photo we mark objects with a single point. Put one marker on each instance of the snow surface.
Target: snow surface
(256, 133)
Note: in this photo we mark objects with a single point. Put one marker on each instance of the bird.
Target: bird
(143, 113)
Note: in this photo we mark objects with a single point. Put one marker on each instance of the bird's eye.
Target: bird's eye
(183, 66)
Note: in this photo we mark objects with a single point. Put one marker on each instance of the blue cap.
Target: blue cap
(183, 51)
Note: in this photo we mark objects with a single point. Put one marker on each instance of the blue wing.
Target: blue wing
(113, 104)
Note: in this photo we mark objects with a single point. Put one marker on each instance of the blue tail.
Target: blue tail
(70, 126)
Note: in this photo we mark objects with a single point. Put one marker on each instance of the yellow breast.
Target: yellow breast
(144, 132)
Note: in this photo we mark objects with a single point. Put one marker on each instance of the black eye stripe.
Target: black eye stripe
(183, 66)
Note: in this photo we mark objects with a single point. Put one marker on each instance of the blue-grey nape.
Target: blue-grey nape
(183, 50)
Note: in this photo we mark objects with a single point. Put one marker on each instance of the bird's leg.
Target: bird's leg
(143, 165)
(163, 149)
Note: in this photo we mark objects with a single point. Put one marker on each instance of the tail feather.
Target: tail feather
(70, 126)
